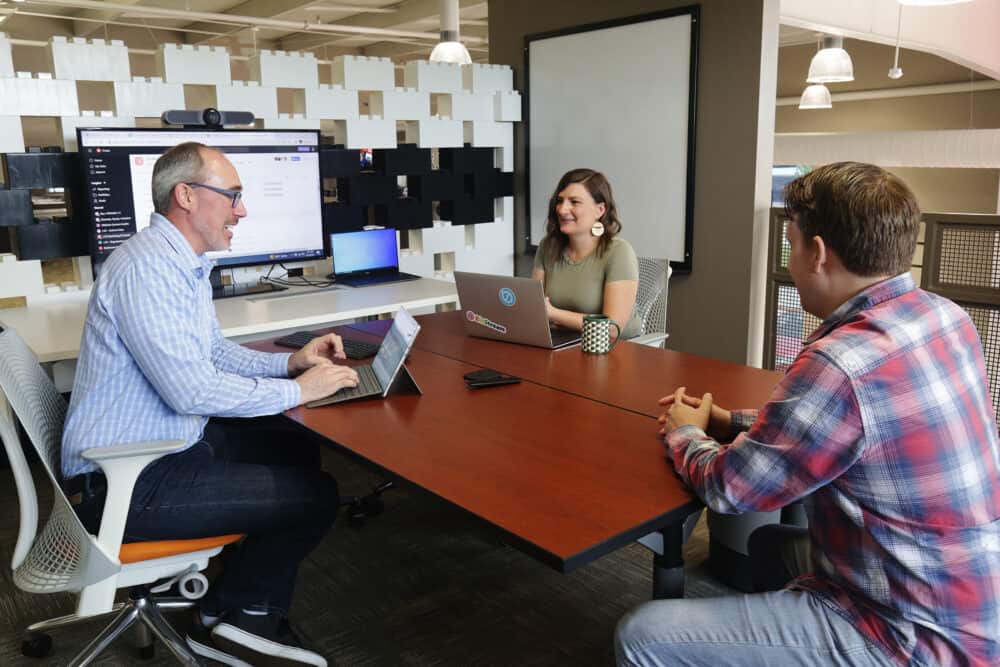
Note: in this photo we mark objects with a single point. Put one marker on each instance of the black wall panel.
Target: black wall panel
(40, 170)
(467, 211)
(51, 240)
(435, 186)
(365, 189)
(408, 213)
(405, 160)
(466, 160)
(15, 208)
(339, 162)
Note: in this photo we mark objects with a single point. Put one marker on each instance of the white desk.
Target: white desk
(53, 329)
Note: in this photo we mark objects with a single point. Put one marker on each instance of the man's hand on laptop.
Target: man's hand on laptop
(321, 349)
(324, 379)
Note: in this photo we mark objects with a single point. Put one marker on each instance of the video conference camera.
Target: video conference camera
(211, 118)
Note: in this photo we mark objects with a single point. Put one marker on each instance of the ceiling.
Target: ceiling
(402, 30)
(399, 29)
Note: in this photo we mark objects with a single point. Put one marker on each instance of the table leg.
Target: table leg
(668, 566)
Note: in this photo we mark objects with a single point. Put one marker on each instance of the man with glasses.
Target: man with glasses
(154, 365)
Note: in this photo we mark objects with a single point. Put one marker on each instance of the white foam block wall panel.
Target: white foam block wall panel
(284, 69)
(482, 133)
(420, 264)
(434, 133)
(44, 96)
(487, 78)
(20, 278)
(6, 59)
(507, 106)
(248, 96)
(331, 103)
(68, 125)
(467, 106)
(363, 73)
(433, 77)
(95, 60)
(11, 135)
(401, 104)
(291, 121)
(147, 98)
(203, 65)
(366, 133)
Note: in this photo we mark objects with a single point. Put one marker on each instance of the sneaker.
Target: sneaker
(199, 638)
(263, 640)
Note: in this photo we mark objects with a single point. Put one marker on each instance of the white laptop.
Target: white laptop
(509, 309)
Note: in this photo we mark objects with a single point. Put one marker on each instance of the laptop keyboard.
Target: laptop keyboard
(367, 384)
(354, 349)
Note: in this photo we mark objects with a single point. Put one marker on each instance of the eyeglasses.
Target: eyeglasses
(235, 195)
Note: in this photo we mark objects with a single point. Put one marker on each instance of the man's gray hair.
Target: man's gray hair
(181, 164)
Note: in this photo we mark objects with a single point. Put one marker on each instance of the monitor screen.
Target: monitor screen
(279, 170)
(368, 250)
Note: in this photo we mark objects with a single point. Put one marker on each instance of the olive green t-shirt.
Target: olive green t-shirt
(579, 286)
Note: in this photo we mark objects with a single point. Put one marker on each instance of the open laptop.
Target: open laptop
(367, 257)
(387, 373)
(509, 309)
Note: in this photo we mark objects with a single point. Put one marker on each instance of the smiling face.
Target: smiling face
(576, 210)
(212, 214)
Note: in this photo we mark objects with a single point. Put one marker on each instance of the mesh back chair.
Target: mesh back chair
(64, 556)
(651, 301)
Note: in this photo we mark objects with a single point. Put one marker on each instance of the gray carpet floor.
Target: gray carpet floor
(423, 584)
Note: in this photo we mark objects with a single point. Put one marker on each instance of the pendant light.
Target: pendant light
(450, 49)
(816, 96)
(831, 63)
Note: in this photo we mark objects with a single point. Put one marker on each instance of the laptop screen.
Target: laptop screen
(368, 250)
(395, 347)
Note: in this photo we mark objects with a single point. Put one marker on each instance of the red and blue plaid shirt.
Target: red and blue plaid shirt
(884, 425)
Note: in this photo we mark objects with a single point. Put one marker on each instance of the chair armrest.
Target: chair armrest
(156, 448)
(121, 465)
(654, 339)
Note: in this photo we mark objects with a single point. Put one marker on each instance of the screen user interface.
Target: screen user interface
(367, 250)
(394, 347)
(279, 171)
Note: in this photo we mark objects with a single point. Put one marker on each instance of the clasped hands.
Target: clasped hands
(683, 410)
(314, 369)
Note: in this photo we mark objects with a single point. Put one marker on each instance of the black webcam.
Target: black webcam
(210, 118)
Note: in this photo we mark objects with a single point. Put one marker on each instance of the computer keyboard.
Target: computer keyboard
(367, 384)
(354, 349)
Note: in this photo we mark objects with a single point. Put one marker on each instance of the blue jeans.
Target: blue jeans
(254, 476)
(774, 629)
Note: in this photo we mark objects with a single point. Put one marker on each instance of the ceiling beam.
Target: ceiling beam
(88, 27)
(261, 8)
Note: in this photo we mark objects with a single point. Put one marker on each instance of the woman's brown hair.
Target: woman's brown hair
(597, 185)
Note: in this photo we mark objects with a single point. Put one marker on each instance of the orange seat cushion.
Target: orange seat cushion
(139, 551)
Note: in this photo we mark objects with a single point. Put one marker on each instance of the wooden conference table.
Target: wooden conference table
(567, 463)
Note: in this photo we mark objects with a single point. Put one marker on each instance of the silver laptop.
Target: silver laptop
(387, 373)
(509, 309)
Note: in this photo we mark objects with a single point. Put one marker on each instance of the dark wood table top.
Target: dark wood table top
(568, 463)
(632, 377)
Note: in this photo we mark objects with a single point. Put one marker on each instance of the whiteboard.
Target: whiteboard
(618, 98)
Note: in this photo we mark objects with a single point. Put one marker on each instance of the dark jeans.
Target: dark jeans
(253, 476)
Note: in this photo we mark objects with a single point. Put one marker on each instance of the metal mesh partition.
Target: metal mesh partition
(968, 256)
(792, 326)
(987, 321)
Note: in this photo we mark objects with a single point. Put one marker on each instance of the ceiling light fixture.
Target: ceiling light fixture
(832, 63)
(896, 72)
(450, 49)
(816, 96)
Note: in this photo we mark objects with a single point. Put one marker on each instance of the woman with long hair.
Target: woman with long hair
(585, 268)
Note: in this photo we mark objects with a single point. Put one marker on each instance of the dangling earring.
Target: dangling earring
(597, 229)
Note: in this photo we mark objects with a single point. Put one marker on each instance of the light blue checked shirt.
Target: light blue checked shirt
(153, 362)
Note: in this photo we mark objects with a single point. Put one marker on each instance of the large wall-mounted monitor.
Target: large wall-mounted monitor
(279, 170)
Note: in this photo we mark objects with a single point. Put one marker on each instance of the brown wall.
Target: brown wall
(710, 308)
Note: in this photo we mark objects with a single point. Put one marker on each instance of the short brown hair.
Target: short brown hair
(600, 189)
(181, 164)
(868, 216)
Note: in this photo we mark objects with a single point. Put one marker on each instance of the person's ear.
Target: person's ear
(602, 208)
(184, 196)
(818, 254)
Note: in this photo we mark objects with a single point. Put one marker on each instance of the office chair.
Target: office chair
(651, 301)
(64, 556)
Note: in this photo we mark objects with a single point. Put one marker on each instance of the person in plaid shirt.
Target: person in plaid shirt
(884, 426)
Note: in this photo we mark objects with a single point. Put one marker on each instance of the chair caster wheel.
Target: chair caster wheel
(147, 652)
(36, 645)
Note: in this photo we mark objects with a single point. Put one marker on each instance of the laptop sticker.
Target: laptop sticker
(507, 297)
(488, 323)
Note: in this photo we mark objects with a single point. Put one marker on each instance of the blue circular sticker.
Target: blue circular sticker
(507, 296)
